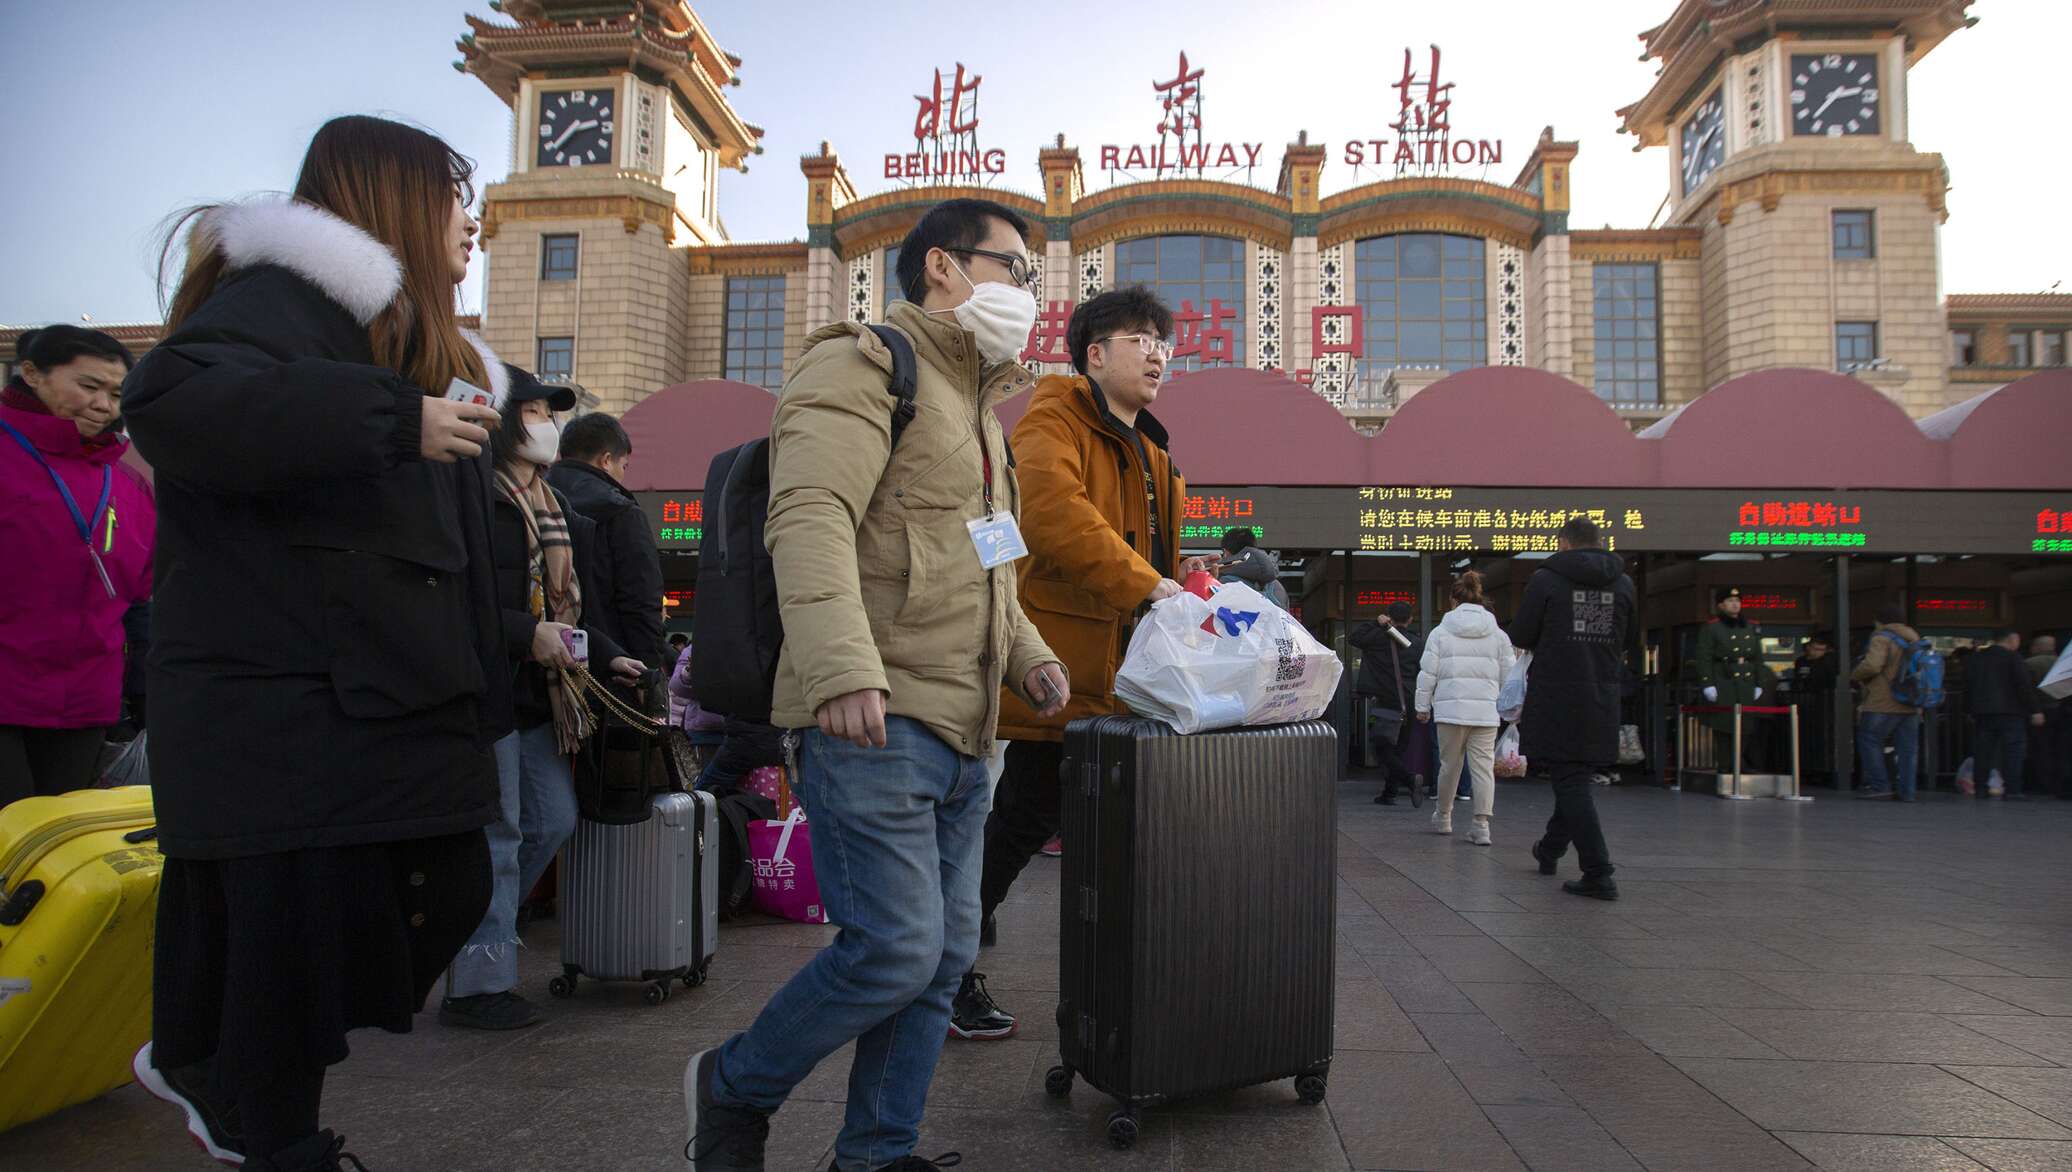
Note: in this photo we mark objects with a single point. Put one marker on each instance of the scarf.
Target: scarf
(554, 594)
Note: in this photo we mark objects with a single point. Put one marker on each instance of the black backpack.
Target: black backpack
(736, 628)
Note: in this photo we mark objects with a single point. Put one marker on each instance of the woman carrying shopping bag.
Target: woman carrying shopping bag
(1457, 683)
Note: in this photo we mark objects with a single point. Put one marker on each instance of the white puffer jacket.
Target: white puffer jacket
(1463, 668)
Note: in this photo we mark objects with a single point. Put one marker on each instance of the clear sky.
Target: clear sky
(126, 110)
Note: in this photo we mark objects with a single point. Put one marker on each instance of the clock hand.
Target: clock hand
(573, 127)
(1835, 97)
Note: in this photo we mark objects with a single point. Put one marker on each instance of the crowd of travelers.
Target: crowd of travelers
(362, 568)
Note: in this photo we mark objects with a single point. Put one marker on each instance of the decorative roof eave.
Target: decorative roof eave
(1693, 40)
(1461, 206)
(2000, 304)
(885, 218)
(494, 53)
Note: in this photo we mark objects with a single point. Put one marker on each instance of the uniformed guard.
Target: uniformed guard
(1730, 667)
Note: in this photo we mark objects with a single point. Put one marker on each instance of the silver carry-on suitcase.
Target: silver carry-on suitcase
(639, 902)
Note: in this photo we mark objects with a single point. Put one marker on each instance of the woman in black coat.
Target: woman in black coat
(544, 555)
(327, 669)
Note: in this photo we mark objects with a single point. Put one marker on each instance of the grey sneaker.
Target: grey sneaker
(1479, 834)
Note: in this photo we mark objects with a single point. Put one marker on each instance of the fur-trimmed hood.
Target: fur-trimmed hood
(349, 266)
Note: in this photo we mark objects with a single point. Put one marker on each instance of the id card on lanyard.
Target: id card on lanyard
(995, 536)
(84, 523)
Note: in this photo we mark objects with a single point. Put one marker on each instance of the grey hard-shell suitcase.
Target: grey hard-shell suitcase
(639, 902)
(1199, 927)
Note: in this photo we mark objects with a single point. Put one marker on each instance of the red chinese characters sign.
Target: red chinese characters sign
(2053, 531)
(1205, 517)
(1180, 145)
(946, 134)
(1424, 126)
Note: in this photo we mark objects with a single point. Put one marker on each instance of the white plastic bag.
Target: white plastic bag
(1258, 667)
(1510, 697)
(1509, 763)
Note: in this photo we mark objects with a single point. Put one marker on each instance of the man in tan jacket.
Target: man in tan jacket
(895, 566)
(1880, 719)
(1104, 541)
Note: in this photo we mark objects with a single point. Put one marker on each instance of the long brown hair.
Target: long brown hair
(395, 183)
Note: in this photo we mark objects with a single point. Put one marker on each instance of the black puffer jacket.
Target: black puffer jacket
(2000, 684)
(624, 600)
(325, 650)
(1378, 671)
(1576, 617)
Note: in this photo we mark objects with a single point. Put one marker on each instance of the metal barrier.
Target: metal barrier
(1688, 747)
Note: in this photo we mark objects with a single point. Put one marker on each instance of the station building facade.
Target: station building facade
(1801, 229)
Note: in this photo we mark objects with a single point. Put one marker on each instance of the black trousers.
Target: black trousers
(2000, 740)
(1575, 816)
(2048, 750)
(37, 762)
(1028, 808)
(1395, 774)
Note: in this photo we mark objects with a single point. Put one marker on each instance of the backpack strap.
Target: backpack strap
(902, 385)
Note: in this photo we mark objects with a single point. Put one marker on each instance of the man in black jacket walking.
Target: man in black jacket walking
(2004, 703)
(594, 455)
(1575, 619)
(1387, 670)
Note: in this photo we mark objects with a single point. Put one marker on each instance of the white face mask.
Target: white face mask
(542, 442)
(998, 314)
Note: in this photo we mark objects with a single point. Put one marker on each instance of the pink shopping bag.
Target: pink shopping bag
(781, 851)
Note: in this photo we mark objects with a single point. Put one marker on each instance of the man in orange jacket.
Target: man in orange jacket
(1101, 514)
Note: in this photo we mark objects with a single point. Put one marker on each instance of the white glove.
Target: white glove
(1758, 693)
(1711, 695)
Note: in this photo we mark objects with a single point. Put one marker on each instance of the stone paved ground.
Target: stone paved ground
(1844, 984)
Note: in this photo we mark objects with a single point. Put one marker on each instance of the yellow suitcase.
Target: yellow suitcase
(78, 912)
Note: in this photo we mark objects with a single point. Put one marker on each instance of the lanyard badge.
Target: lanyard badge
(82, 522)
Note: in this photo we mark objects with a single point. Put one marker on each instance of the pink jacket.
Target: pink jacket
(60, 632)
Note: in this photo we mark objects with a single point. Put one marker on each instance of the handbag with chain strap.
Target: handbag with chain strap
(632, 755)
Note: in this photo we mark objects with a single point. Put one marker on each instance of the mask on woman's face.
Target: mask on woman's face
(542, 442)
(999, 315)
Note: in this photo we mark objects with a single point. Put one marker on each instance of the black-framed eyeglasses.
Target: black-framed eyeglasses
(1147, 343)
(1018, 268)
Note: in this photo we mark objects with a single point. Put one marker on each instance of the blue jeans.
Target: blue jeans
(898, 838)
(539, 814)
(1873, 730)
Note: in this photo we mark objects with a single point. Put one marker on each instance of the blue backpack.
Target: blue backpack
(1919, 683)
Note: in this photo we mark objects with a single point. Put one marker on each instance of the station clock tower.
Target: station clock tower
(1785, 125)
(620, 129)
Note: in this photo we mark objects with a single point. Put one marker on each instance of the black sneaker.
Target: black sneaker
(974, 1017)
(988, 931)
(489, 1011)
(1385, 798)
(212, 1123)
(722, 1137)
(1863, 795)
(322, 1152)
(1546, 861)
(1594, 888)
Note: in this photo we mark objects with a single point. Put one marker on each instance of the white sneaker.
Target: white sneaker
(1442, 820)
(1479, 834)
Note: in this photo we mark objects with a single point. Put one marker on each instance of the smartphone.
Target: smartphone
(1050, 691)
(462, 391)
(577, 640)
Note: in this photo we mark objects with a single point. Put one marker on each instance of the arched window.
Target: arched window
(1422, 298)
(1202, 280)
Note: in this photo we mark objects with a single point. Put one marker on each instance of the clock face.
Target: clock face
(575, 128)
(1834, 94)
(1704, 141)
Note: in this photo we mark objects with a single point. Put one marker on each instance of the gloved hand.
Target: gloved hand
(1758, 693)
(1711, 694)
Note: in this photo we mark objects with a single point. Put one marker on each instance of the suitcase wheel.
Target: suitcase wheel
(693, 978)
(1057, 1082)
(657, 993)
(562, 987)
(1122, 1128)
(1310, 1089)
